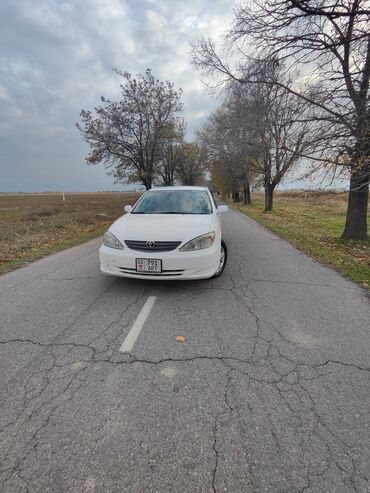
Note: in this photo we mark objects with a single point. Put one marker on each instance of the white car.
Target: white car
(170, 233)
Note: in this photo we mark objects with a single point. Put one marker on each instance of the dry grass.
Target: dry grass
(34, 225)
(314, 222)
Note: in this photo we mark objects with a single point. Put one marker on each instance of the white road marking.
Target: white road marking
(134, 333)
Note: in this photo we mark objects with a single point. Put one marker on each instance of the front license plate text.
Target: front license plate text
(148, 265)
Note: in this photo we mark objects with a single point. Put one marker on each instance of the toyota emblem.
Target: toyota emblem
(150, 244)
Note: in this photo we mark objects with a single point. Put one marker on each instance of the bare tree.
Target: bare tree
(221, 179)
(227, 138)
(332, 39)
(280, 135)
(192, 163)
(242, 144)
(170, 153)
(221, 162)
(125, 135)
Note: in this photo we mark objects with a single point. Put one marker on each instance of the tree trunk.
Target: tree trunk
(236, 196)
(247, 194)
(147, 182)
(269, 194)
(168, 182)
(356, 219)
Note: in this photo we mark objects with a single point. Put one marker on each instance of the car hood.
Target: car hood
(162, 227)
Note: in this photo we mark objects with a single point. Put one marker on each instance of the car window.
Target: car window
(174, 202)
(213, 198)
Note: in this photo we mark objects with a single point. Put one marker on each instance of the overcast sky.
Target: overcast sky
(56, 57)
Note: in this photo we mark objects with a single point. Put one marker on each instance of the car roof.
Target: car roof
(178, 187)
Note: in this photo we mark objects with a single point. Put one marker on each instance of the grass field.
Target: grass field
(314, 222)
(34, 225)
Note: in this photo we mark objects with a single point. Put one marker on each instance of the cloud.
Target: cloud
(57, 56)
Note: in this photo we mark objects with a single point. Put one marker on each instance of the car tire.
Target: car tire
(222, 267)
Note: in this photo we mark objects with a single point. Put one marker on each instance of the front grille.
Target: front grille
(166, 273)
(159, 246)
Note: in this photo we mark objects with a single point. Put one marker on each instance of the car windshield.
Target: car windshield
(174, 202)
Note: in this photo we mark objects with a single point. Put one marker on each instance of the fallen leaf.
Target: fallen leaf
(169, 372)
(180, 338)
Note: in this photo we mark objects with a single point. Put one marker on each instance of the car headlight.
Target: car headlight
(199, 243)
(111, 241)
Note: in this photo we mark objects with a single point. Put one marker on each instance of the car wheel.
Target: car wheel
(223, 260)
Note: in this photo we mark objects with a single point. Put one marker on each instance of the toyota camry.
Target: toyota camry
(170, 233)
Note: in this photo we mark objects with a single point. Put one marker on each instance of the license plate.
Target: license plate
(148, 265)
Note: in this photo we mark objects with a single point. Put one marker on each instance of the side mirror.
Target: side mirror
(221, 209)
(128, 208)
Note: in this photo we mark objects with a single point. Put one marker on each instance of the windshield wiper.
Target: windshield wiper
(180, 213)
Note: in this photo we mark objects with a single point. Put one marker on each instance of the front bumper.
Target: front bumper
(200, 264)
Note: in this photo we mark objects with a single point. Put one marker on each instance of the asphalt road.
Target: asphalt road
(270, 392)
